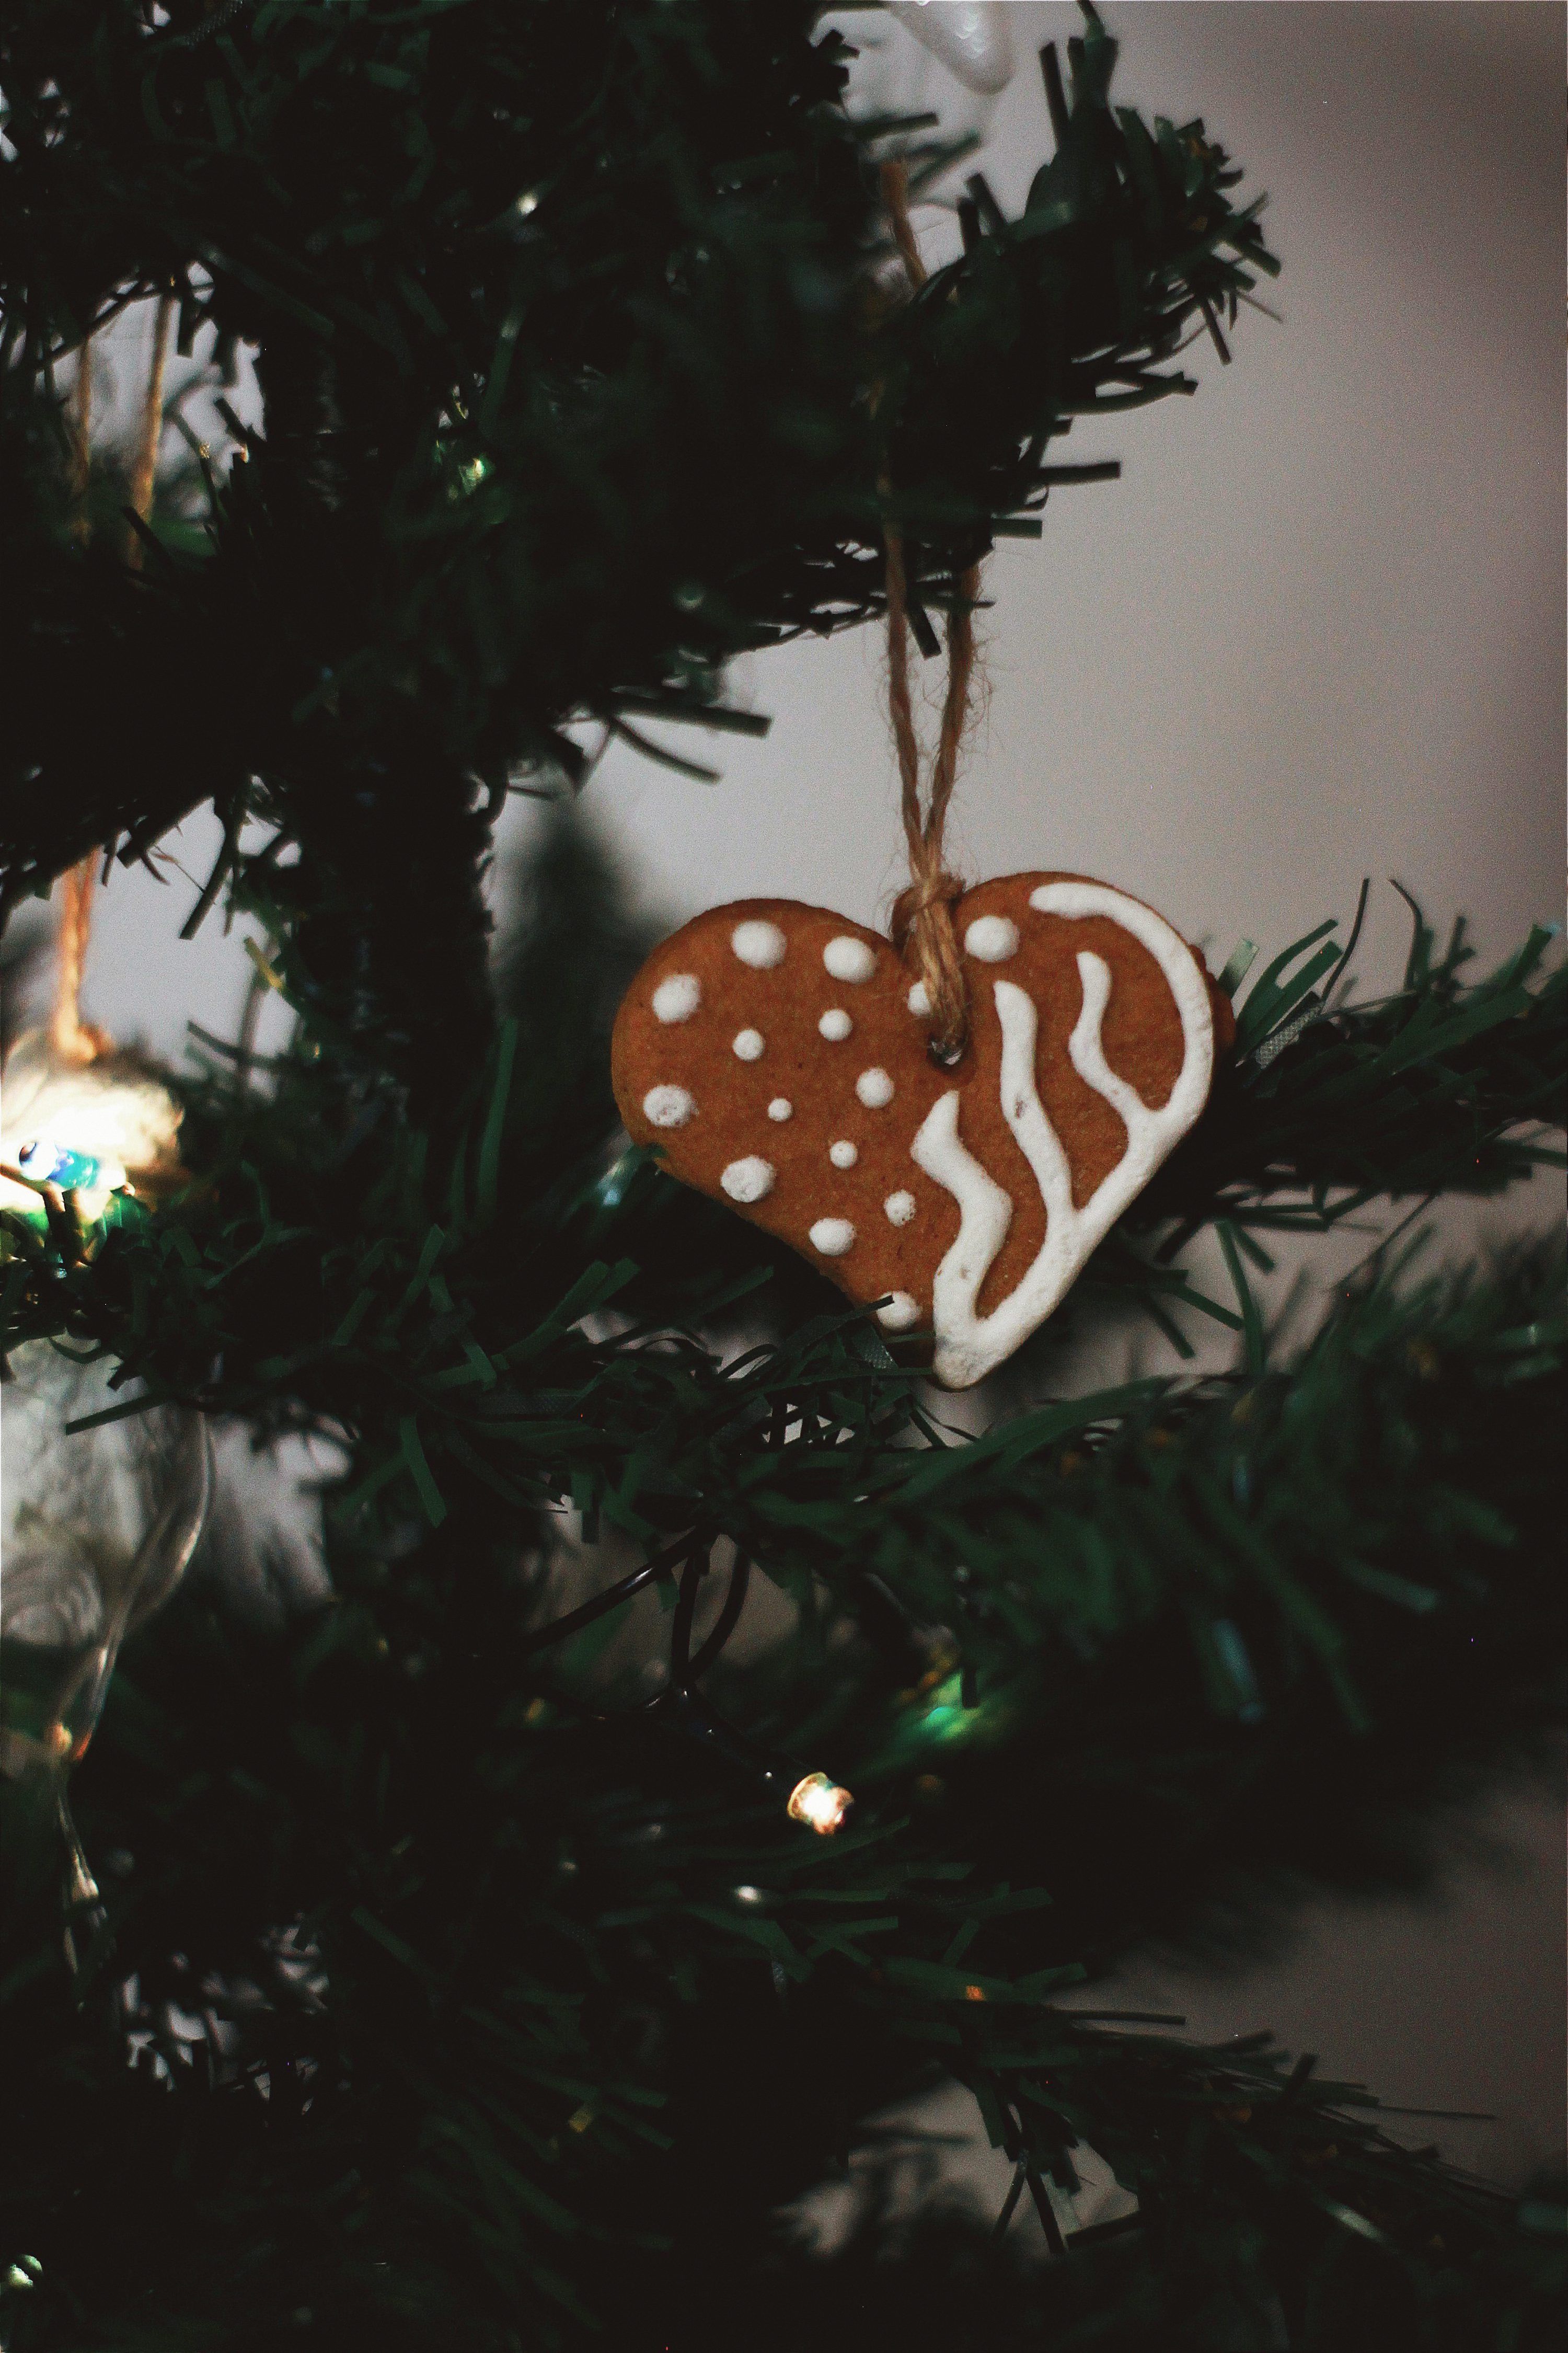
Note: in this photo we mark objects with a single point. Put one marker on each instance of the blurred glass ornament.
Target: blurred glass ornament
(98, 1525)
(972, 41)
(96, 1531)
(101, 1129)
(944, 60)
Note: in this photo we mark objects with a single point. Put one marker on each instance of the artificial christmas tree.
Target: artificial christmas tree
(478, 1990)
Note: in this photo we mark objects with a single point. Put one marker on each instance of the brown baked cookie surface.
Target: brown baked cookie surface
(776, 1056)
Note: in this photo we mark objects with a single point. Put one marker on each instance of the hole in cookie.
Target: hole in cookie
(945, 1057)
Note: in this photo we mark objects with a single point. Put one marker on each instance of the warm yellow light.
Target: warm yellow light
(820, 1803)
(79, 1127)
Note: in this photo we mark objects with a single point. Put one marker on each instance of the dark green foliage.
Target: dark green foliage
(540, 1967)
(1493, 2281)
(1254, 1625)
(1272, 1620)
(494, 2000)
(1443, 1087)
(555, 1950)
(1447, 1086)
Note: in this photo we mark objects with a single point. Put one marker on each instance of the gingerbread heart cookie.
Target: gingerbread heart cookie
(777, 1056)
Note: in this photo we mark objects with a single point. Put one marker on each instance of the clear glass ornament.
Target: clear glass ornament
(97, 1525)
(96, 1531)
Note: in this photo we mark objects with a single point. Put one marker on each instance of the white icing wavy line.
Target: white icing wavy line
(969, 1345)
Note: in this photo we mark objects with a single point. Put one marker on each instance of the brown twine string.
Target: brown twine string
(79, 425)
(144, 468)
(72, 1038)
(922, 926)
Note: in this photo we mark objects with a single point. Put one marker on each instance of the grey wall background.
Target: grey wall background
(1316, 632)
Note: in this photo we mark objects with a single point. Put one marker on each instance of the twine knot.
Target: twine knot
(924, 932)
(927, 891)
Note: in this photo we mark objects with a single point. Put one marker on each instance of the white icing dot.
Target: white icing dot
(749, 1046)
(748, 1180)
(992, 938)
(874, 1088)
(677, 998)
(899, 1312)
(901, 1208)
(843, 1155)
(781, 1107)
(836, 1023)
(667, 1106)
(761, 946)
(920, 1001)
(848, 959)
(832, 1236)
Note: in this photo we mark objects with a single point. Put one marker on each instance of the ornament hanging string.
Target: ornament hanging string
(71, 1040)
(74, 1039)
(922, 917)
(144, 466)
(79, 425)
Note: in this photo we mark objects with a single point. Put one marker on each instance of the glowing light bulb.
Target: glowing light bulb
(819, 1803)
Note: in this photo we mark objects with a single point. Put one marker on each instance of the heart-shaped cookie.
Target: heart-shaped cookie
(777, 1056)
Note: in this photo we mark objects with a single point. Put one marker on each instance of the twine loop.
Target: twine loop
(73, 1039)
(922, 927)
